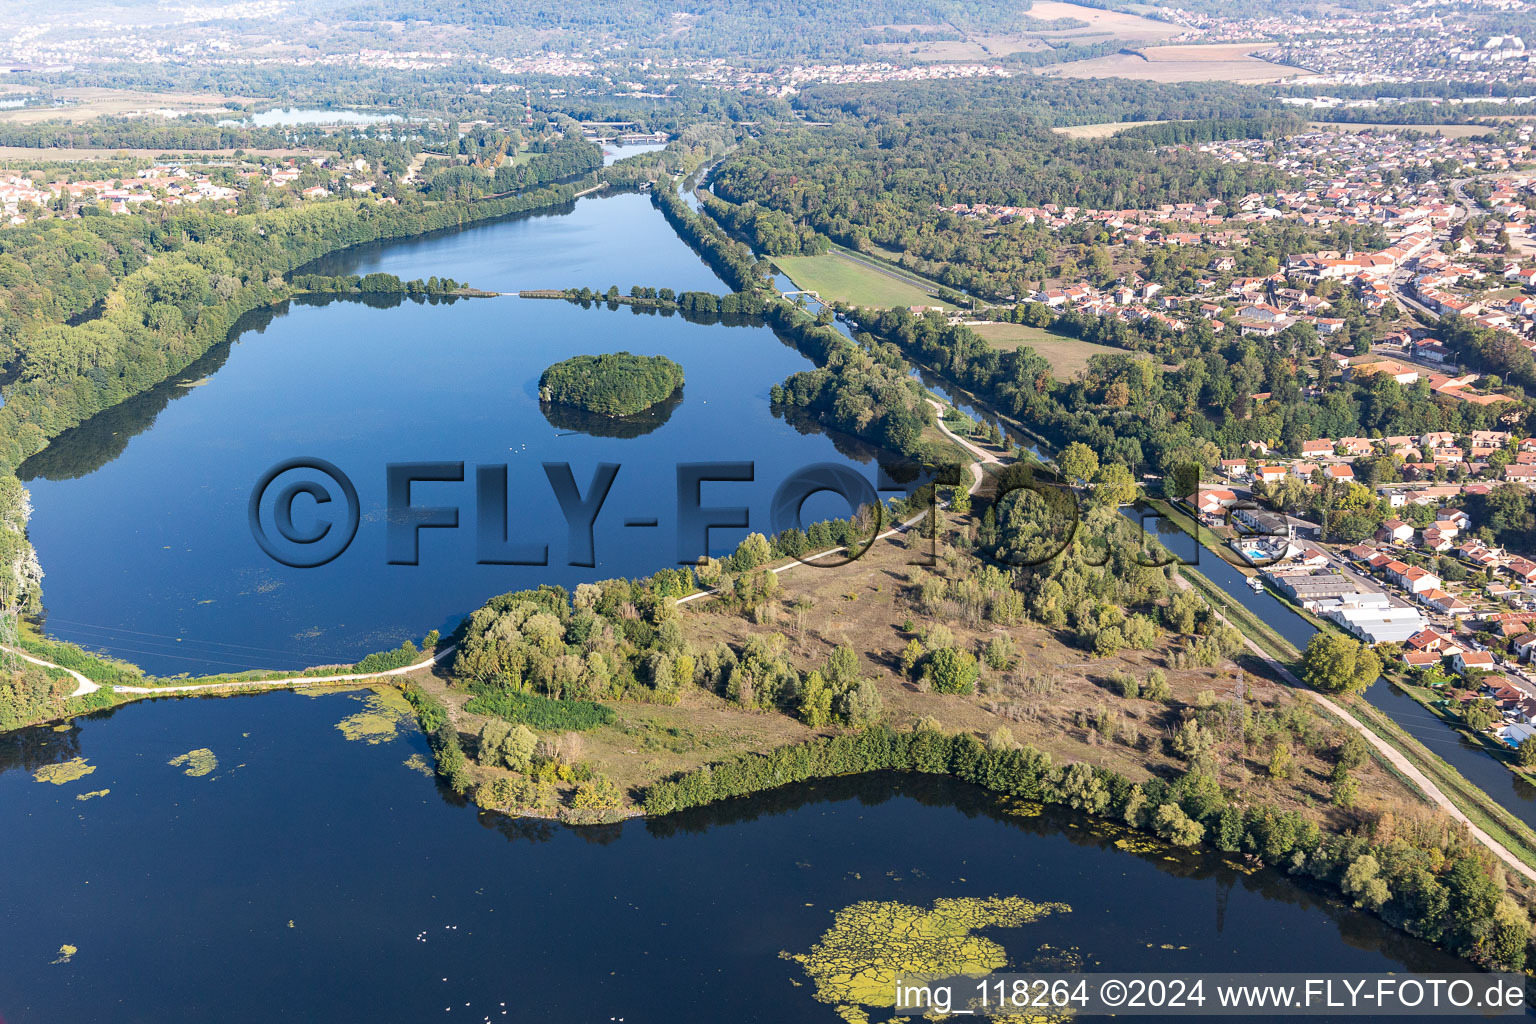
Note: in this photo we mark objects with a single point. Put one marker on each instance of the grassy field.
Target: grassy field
(1066, 355)
(836, 277)
(1101, 24)
(1450, 131)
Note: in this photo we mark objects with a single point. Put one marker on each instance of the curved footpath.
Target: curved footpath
(981, 454)
(1386, 750)
(86, 686)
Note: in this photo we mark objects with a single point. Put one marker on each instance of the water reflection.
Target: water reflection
(567, 417)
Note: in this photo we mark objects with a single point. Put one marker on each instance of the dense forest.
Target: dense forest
(882, 188)
(176, 289)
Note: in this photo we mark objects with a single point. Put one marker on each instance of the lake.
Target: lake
(310, 877)
(173, 580)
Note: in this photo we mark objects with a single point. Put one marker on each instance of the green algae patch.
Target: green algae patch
(418, 764)
(872, 943)
(93, 794)
(66, 953)
(65, 771)
(385, 711)
(197, 762)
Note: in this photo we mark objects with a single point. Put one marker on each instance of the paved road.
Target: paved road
(87, 686)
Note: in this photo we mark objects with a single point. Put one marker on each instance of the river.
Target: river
(172, 578)
(309, 877)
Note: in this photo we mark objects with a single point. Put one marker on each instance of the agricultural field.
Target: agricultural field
(836, 277)
(1067, 356)
(1101, 24)
(1098, 26)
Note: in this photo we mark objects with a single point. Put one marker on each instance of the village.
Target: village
(1429, 590)
(218, 184)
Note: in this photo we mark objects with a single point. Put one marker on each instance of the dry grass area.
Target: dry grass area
(1219, 62)
(84, 104)
(1052, 697)
(1067, 356)
(1100, 131)
(1049, 698)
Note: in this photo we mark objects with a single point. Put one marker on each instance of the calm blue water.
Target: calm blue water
(312, 878)
(615, 151)
(172, 578)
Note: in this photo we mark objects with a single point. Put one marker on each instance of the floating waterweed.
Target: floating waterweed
(198, 762)
(872, 943)
(66, 771)
(385, 711)
(92, 794)
(66, 953)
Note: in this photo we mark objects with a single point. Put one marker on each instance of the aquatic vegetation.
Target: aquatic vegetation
(872, 943)
(65, 771)
(93, 794)
(198, 762)
(384, 712)
(417, 763)
(66, 953)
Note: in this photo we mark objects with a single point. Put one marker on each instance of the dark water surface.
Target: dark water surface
(310, 877)
(141, 521)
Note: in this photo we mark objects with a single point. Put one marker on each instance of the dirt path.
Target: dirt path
(981, 454)
(1392, 755)
(87, 686)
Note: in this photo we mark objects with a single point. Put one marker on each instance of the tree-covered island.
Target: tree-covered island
(612, 384)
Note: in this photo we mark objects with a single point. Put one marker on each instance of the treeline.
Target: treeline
(1131, 410)
(156, 133)
(432, 717)
(567, 156)
(374, 284)
(208, 270)
(1029, 100)
(733, 261)
(883, 187)
(1427, 877)
(703, 306)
